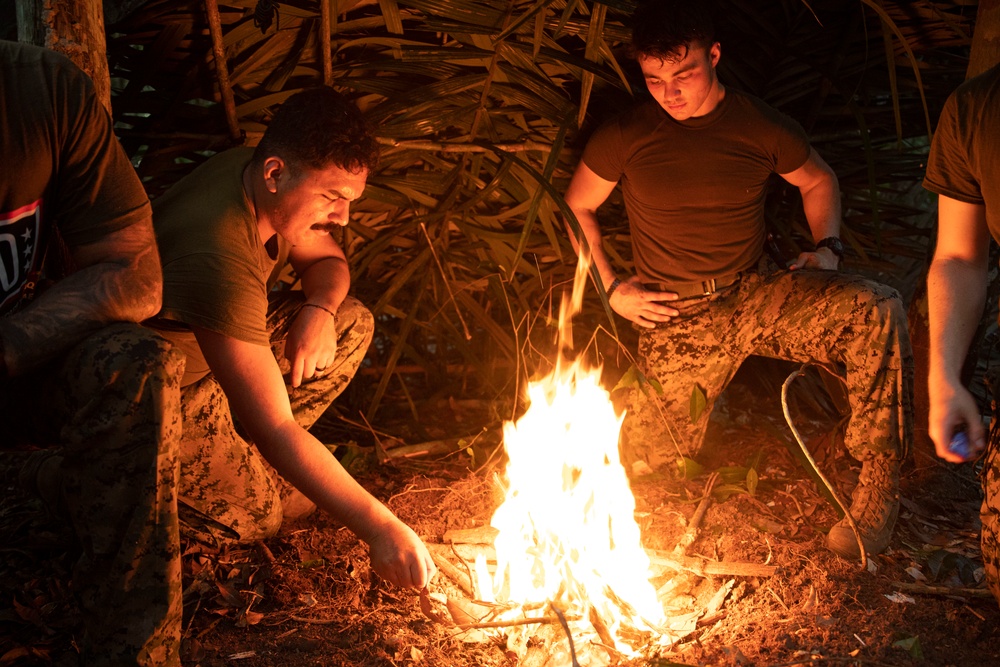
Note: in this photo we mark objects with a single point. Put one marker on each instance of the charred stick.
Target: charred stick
(569, 635)
(450, 571)
(541, 620)
(942, 590)
(699, 515)
(602, 630)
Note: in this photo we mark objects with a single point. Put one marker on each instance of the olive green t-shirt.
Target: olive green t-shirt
(60, 164)
(694, 190)
(216, 270)
(964, 162)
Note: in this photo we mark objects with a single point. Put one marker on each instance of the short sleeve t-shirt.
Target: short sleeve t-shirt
(964, 162)
(62, 164)
(694, 190)
(216, 271)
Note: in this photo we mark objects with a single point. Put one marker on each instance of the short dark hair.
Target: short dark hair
(665, 28)
(317, 127)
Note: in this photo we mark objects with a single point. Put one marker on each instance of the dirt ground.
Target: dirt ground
(308, 597)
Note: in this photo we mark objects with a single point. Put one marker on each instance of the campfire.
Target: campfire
(560, 574)
(567, 538)
(568, 569)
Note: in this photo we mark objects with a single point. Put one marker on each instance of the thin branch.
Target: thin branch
(448, 147)
(819, 473)
(447, 283)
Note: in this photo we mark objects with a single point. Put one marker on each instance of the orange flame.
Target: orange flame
(567, 532)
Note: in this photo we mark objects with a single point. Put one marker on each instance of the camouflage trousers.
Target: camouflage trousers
(228, 492)
(989, 511)
(112, 404)
(853, 327)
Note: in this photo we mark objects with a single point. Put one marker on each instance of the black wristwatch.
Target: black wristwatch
(835, 245)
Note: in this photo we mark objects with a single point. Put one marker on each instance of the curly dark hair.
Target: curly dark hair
(317, 127)
(665, 29)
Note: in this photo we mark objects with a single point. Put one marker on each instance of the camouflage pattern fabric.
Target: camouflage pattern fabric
(112, 403)
(989, 511)
(853, 327)
(128, 472)
(228, 492)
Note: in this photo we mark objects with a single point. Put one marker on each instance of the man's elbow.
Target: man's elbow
(143, 282)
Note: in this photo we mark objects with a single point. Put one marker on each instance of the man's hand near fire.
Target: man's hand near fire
(642, 306)
(400, 557)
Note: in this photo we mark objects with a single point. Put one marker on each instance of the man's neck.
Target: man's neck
(715, 97)
(255, 199)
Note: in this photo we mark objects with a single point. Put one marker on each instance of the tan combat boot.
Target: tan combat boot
(874, 506)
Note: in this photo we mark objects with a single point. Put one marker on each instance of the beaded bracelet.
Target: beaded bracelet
(316, 305)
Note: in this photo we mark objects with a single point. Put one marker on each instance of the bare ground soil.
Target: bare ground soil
(307, 596)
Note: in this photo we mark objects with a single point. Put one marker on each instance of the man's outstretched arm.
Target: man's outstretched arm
(251, 380)
(956, 294)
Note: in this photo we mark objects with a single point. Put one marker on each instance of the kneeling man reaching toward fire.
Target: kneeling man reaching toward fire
(278, 358)
(694, 164)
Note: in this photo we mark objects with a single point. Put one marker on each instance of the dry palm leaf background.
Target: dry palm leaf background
(459, 249)
(483, 108)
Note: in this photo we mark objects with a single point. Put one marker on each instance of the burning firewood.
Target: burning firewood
(446, 568)
(480, 535)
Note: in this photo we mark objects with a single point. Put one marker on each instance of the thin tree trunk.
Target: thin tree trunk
(74, 28)
(986, 39)
(222, 70)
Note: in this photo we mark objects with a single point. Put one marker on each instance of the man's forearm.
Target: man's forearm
(327, 282)
(302, 460)
(956, 294)
(592, 231)
(821, 205)
(77, 305)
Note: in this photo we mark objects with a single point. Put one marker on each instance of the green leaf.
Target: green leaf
(689, 468)
(698, 403)
(751, 479)
(732, 474)
(721, 492)
(632, 378)
(912, 645)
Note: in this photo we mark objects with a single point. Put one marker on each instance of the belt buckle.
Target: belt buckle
(708, 286)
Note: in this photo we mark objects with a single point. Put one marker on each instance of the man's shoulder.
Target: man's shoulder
(217, 181)
(16, 54)
(625, 127)
(226, 164)
(640, 116)
(205, 217)
(748, 104)
(981, 88)
(40, 64)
